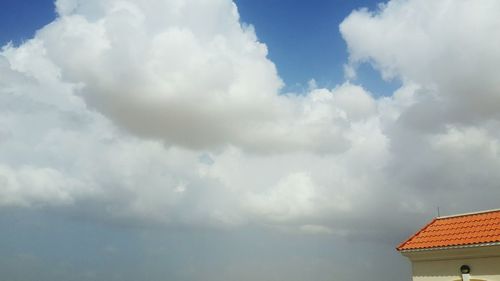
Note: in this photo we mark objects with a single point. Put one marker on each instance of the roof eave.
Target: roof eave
(449, 247)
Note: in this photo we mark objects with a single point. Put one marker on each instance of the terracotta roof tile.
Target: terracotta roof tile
(460, 230)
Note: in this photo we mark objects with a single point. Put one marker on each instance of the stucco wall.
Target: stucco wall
(482, 268)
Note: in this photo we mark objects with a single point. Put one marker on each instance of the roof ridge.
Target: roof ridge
(468, 214)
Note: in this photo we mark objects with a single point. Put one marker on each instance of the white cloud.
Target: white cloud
(167, 112)
(447, 46)
(444, 138)
(30, 186)
(294, 196)
(192, 78)
(315, 229)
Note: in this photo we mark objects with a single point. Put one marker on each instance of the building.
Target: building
(463, 247)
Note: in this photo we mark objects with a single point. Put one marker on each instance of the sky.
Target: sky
(247, 140)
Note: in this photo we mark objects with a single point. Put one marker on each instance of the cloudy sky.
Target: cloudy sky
(246, 140)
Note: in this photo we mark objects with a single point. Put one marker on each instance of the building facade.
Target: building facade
(455, 248)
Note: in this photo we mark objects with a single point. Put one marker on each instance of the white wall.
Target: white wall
(444, 265)
(448, 270)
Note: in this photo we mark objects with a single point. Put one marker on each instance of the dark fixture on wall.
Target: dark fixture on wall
(465, 269)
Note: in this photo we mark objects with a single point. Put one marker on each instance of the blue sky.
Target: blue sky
(20, 19)
(305, 43)
(302, 37)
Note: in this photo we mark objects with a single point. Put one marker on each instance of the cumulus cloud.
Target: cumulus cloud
(166, 70)
(445, 139)
(59, 148)
(162, 111)
(450, 47)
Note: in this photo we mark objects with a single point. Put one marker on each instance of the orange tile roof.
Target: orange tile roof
(459, 230)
